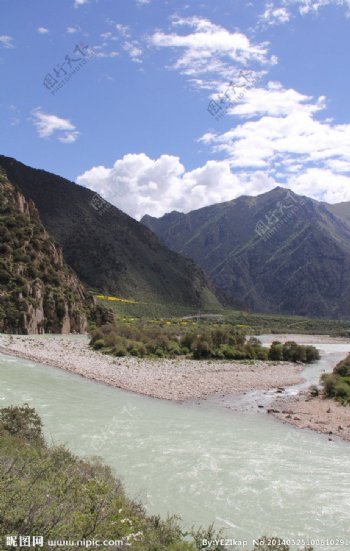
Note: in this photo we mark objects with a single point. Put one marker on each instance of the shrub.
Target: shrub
(337, 384)
(276, 351)
(97, 345)
(314, 390)
(201, 349)
(165, 339)
(120, 351)
(22, 421)
(4, 276)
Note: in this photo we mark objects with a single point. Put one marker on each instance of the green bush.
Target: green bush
(276, 351)
(337, 384)
(23, 422)
(170, 339)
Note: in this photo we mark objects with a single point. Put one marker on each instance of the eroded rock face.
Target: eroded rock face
(39, 293)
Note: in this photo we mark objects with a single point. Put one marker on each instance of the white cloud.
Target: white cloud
(283, 137)
(276, 101)
(6, 41)
(100, 52)
(274, 16)
(78, 3)
(323, 185)
(208, 50)
(43, 30)
(134, 50)
(106, 36)
(51, 125)
(309, 6)
(138, 185)
(124, 30)
(72, 30)
(286, 133)
(143, 2)
(280, 11)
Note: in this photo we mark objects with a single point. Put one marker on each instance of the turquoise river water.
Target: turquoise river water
(247, 472)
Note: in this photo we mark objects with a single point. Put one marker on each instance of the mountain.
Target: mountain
(38, 291)
(110, 251)
(278, 252)
(342, 211)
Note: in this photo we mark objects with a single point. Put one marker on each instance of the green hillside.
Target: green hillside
(111, 252)
(38, 291)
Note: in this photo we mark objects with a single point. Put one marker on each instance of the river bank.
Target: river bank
(170, 379)
(187, 380)
(315, 413)
(306, 412)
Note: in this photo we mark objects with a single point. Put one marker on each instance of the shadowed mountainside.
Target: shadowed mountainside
(110, 251)
(278, 252)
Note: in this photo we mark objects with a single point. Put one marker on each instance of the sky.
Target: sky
(162, 105)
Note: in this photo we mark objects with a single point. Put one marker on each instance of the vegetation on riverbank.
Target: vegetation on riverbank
(255, 323)
(204, 340)
(49, 492)
(337, 384)
(290, 351)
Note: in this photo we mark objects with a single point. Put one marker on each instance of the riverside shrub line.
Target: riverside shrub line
(205, 341)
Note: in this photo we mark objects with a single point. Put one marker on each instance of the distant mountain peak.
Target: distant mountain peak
(274, 252)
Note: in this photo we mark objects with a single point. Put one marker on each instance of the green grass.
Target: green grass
(253, 323)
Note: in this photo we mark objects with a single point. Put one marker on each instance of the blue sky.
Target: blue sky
(133, 122)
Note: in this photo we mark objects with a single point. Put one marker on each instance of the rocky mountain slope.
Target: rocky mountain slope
(39, 293)
(110, 251)
(278, 252)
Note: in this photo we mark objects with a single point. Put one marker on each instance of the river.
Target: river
(248, 472)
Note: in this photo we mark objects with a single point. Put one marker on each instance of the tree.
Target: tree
(22, 421)
(276, 351)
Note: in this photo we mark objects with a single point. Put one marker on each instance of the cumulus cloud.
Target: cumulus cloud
(322, 184)
(207, 51)
(282, 136)
(48, 125)
(285, 133)
(275, 100)
(6, 41)
(138, 184)
(43, 30)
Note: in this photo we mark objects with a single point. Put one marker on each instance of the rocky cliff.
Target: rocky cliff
(39, 293)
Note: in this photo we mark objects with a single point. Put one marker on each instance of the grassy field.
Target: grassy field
(251, 322)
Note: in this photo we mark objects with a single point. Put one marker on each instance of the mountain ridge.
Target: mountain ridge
(268, 251)
(110, 251)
